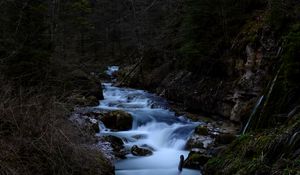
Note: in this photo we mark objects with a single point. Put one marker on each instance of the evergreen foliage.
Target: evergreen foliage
(209, 26)
(25, 42)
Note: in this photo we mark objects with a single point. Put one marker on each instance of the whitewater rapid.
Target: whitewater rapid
(157, 127)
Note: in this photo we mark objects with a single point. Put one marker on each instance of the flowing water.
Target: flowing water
(261, 100)
(154, 126)
(258, 103)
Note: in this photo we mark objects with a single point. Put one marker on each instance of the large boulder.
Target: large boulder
(116, 142)
(117, 120)
(146, 146)
(137, 151)
(195, 160)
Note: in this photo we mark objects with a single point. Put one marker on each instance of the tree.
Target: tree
(25, 41)
(278, 12)
(208, 29)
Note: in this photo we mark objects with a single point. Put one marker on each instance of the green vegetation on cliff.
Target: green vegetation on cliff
(272, 151)
(209, 27)
(227, 54)
(272, 145)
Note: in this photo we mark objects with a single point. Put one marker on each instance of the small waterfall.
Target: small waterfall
(291, 141)
(273, 84)
(261, 99)
(253, 113)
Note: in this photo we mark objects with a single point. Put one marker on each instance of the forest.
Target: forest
(127, 87)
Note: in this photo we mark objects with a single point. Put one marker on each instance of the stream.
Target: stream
(156, 126)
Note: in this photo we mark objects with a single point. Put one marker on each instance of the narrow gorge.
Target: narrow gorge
(150, 87)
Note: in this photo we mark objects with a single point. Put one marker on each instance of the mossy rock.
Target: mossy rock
(195, 160)
(201, 130)
(117, 120)
(117, 145)
(137, 151)
(116, 142)
(194, 143)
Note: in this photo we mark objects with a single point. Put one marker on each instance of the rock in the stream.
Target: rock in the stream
(139, 136)
(147, 147)
(116, 142)
(225, 138)
(195, 160)
(117, 120)
(137, 151)
(117, 145)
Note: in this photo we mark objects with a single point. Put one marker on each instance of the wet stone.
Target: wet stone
(137, 151)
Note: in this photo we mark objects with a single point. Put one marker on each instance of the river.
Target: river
(157, 127)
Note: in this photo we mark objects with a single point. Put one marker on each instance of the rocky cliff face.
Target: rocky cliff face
(248, 66)
(261, 66)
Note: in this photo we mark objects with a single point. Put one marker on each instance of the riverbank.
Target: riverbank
(36, 136)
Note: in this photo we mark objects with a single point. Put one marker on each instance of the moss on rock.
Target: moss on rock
(195, 160)
(269, 151)
(117, 120)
